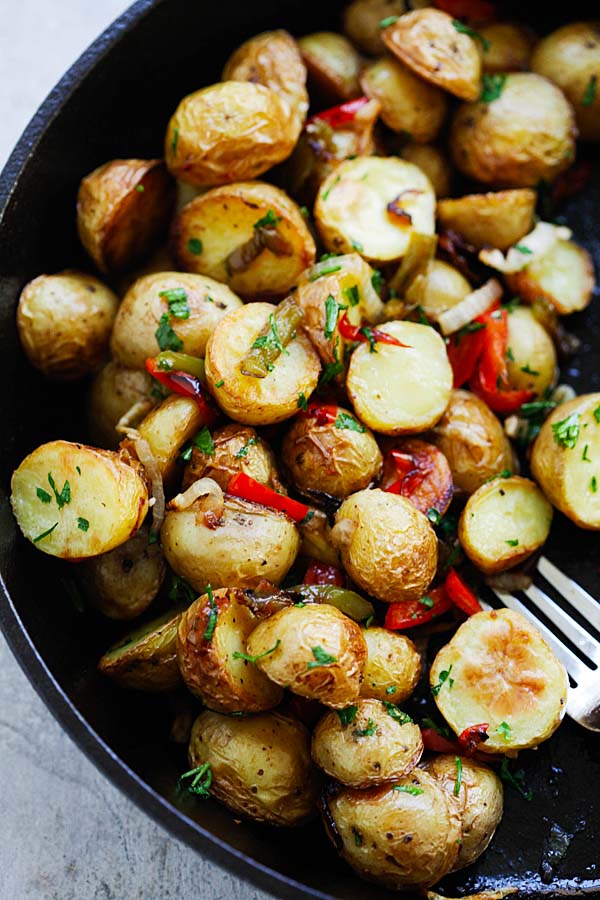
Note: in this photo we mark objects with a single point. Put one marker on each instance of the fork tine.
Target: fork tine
(569, 627)
(571, 591)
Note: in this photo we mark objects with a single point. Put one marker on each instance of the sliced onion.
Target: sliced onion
(207, 490)
(134, 415)
(148, 460)
(474, 304)
(533, 245)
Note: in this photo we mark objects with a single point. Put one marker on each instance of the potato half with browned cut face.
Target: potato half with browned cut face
(64, 323)
(333, 65)
(393, 666)
(362, 22)
(403, 835)
(434, 163)
(531, 357)
(260, 766)
(499, 669)
(408, 104)
(228, 132)
(496, 219)
(320, 653)
(420, 472)
(211, 646)
(114, 391)
(387, 546)
(564, 276)
(505, 47)
(146, 659)
(235, 448)
(123, 209)
(167, 428)
(249, 235)
(367, 744)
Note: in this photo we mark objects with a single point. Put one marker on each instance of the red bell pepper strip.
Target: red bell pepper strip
(338, 116)
(471, 737)
(320, 573)
(323, 415)
(366, 334)
(411, 474)
(432, 740)
(247, 488)
(490, 378)
(460, 594)
(503, 402)
(185, 384)
(467, 9)
(410, 613)
(463, 353)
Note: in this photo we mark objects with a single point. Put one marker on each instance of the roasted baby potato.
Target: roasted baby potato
(114, 391)
(75, 501)
(531, 355)
(167, 428)
(427, 41)
(211, 650)
(524, 134)
(146, 311)
(273, 59)
(64, 323)
(258, 401)
(235, 448)
(503, 523)
(387, 546)
(499, 670)
(146, 660)
(570, 57)
(401, 390)
(432, 161)
(251, 236)
(505, 47)
(362, 22)
(316, 539)
(320, 653)
(393, 666)
(496, 219)
(124, 582)
(333, 65)
(402, 836)
(231, 131)
(372, 205)
(420, 472)
(367, 744)
(248, 543)
(408, 104)
(438, 288)
(479, 796)
(473, 441)
(260, 765)
(337, 456)
(564, 276)
(123, 210)
(566, 459)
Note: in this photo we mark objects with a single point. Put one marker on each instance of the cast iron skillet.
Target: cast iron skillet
(115, 101)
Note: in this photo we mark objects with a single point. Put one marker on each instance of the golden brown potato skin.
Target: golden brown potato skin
(434, 163)
(371, 750)
(295, 665)
(327, 457)
(570, 57)
(473, 441)
(362, 18)
(231, 131)
(387, 546)
(499, 219)
(123, 209)
(364, 820)
(207, 664)
(237, 448)
(114, 391)
(333, 65)
(146, 659)
(526, 134)
(509, 47)
(261, 766)
(393, 666)
(64, 323)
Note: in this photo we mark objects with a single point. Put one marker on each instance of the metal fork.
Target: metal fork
(583, 702)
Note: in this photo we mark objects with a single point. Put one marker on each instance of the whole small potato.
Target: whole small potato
(531, 362)
(123, 210)
(333, 65)
(434, 163)
(114, 391)
(261, 766)
(64, 323)
(473, 441)
(393, 666)
(236, 448)
(320, 653)
(570, 57)
(408, 104)
(496, 219)
(402, 836)
(231, 131)
(367, 744)
(505, 47)
(438, 289)
(338, 457)
(523, 135)
(387, 546)
(362, 20)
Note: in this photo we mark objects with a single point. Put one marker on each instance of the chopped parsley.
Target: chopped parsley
(465, 29)
(513, 543)
(347, 715)
(175, 141)
(243, 451)
(585, 457)
(197, 781)
(347, 422)
(302, 402)
(43, 495)
(368, 333)
(493, 85)
(504, 730)
(271, 339)
(589, 95)
(390, 20)
(516, 779)
(166, 337)
(181, 593)
(328, 270)
(352, 295)
(391, 689)
(356, 245)
(331, 316)
(439, 729)
(528, 370)
(397, 714)
(566, 432)
(78, 470)
(523, 249)
(195, 246)
(326, 193)
(429, 602)
(358, 838)
(140, 188)
(378, 281)
(219, 383)
(64, 496)
(204, 441)
(369, 731)
(511, 305)
(597, 415)
(593, 484)
(458, 780)
(252, 659)
(270, 220)
(321, 658)
(211, 623)
(44, 534)
(177, 300)
(444, 677)
(505, 473)
(305, 212)
(408, 789)
(331, 371)
(434, 516)
(82, 524)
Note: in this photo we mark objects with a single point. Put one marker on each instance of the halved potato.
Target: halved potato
(235, 448)
(500, 670)
(333, 65)
(427, 41)
(434, 163)
(167, 427)
(230, 131)
(496, 219)
(75, 501)
(387, 546)
(408, 104)
(393, 666)
(531, 358)
(372, 205)
(505, 47)
(438, 288)
(362, 22)
(146, 660)
(258, 401)
(426, 480)
(320, 653)
(366, 744)
(503, 523)
(251, 235)
(566, 459)
(114, 391)
(401, 390)
(123, 209)
(564, 276)
(211, 642)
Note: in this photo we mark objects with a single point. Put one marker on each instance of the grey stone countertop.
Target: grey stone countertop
(66, 833)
